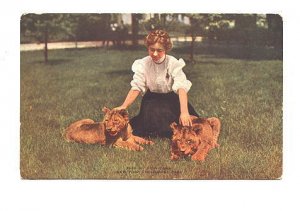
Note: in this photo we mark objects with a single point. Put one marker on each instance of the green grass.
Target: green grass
(245, 94)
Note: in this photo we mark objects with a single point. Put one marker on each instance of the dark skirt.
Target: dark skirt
(157, 112)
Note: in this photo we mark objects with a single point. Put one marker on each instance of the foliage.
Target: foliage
(35, 25)
(40, 26)
(93, 26)
(135, 19)
(246, 29)
(68, 26)
(275, 32)
(167, 21)
(245, 93)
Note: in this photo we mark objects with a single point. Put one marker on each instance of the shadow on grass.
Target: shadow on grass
(53, 62)
(125, 72)
(210, 62)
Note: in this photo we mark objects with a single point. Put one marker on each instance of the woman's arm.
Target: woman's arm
(184, 118)
(131, 96)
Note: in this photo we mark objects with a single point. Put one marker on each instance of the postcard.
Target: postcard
(163, 96)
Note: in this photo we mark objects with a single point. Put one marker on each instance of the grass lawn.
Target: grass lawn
(246, 94)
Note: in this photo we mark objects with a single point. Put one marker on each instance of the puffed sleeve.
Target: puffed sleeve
(179, 77)
(138, 82)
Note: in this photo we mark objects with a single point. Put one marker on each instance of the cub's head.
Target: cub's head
(115, 121)
(185, 139)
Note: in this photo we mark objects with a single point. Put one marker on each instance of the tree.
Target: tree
(93, 26)
(135, 17)
(41, 26)
(70, 26)
(198, 24)
(275, 30)
(134, 28)
(245, 29)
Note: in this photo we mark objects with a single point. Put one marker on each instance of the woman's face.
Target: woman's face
(156, 51)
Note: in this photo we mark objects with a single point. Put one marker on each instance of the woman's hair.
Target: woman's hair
(159, 36)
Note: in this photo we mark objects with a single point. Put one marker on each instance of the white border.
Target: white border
(17, 194)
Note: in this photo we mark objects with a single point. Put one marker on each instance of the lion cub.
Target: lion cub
(114, 130)
(195, 141)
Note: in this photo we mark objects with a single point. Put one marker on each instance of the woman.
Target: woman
(164, 86)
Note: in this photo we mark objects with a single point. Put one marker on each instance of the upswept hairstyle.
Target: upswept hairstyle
(159, 36)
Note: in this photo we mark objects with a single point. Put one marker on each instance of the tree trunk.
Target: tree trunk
(46, 44)
(192, 47)
(163, 20)
(76, 42)
(134, 29)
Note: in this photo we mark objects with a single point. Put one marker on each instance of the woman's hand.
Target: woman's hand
(130, 98)
(185, 119)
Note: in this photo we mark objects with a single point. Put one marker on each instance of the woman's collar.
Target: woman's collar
(161, 60)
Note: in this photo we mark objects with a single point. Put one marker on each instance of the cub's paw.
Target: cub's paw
(198, 158)
(174, 156)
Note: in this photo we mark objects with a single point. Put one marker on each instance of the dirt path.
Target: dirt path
(64, 45)
(60, 45)
(87, 44)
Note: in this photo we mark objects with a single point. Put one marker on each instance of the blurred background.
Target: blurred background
(189, 31)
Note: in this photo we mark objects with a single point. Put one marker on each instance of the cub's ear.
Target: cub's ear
(197, 128)
(124, 113)
(105, 109)
(215, 124)
(173, 126)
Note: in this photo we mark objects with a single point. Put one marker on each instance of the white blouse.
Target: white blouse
(160, 78)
